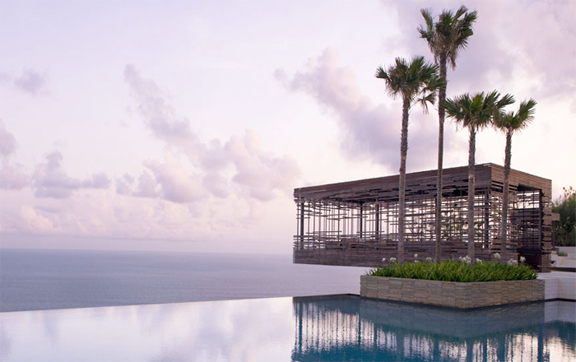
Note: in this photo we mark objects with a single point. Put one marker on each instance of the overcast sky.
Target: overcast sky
(186, 125)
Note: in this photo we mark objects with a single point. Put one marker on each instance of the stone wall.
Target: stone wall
(452, 294)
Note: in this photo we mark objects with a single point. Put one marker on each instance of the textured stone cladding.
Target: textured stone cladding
(452, 294)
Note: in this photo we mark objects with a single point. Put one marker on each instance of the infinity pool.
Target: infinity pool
(329, 328)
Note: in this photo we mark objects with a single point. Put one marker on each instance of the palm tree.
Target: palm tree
(445, 38)
(475, 112)
(414, 81)
(511, 123)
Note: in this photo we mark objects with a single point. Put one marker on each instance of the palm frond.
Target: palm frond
(449, 34)
(412, 79)
(505, 101)
(479, 110)
(527, 110)
(381, 73)
(427, 31)
(456, 108)
(523, 117)
(461, 11)
(425, 99)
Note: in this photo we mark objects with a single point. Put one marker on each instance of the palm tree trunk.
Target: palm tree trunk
(471, 192)
(441, 116)
(402, 182)
(505, 194)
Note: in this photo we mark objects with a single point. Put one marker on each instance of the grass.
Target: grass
(562, 253)
(456, 271)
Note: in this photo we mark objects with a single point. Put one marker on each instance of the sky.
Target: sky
(185, 125)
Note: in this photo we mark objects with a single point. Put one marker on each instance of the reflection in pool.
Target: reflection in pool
(352, 328)
(332, 328)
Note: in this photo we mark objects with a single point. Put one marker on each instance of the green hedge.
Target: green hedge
(456, 271)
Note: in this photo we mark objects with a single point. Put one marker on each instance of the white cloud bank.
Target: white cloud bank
(367, 129)
(12, 175)
(523, 47)
(217, 168)
(29, 81)
(50, 180)
(200, 192)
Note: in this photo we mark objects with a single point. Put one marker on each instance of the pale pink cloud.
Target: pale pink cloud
(258, 173)
(158, 114)
(97, 181)
(175, 183)
(147, 186)
(32, 221)
(124, 184)
(31, 82)
(367, 130)
(214, 156)
(216, 184)
(98, 213)
(50, 180)
(503, 53)
(7, 141)
(12, 175)
(100, 218)
(215, 166)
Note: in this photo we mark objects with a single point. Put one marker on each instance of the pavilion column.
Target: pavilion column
(361, 219)
(301, 225)
(377, 227)
(487, 219)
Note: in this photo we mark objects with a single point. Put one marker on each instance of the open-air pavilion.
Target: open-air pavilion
(356, 223)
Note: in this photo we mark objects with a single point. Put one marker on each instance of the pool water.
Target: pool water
(326, 328)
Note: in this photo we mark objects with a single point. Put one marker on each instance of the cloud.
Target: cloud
(30, 82)
(367, 130)
(216, 184)
(511, 56)
(123, 184)
(258, 173)
(158, 114)
(34, 221)
(98, 181)
(12, 176)
(166, 180)
(7, 141)
(101, 219)
(28, 219)
(175, 184)
(51, 181)
(147, 186)
(215, 167)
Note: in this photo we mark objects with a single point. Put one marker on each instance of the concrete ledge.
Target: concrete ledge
(559, 285)
(452, 294)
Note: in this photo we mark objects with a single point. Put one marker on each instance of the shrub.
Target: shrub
(561, 253)
(565, 230)
(456, 271)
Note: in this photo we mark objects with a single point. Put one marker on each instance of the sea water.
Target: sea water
(55, 279)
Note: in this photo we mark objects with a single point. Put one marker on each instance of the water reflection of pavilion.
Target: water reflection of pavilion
(351, 328)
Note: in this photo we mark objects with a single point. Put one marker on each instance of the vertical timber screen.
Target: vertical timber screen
(356, 223)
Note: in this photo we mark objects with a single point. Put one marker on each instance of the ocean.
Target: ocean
(56, 279)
